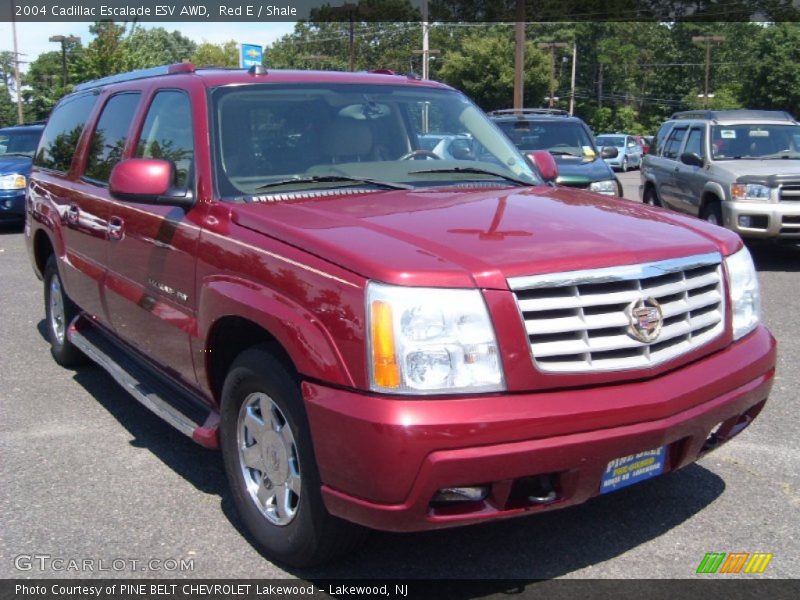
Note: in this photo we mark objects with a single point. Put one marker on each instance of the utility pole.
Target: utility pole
(351, 10)
(707, 39)
(519, 54)
(425, 40)
(17, 85)
(552, 46)
(572, 80)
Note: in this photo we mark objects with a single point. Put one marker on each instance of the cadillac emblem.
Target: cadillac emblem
(645, 319)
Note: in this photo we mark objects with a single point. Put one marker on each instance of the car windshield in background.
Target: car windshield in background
(19, 143)
(281, 138)
(753, 141)
(616, 141)
(559, 137)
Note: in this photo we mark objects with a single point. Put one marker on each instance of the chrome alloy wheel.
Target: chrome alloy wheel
(268, 458)
(57, 314)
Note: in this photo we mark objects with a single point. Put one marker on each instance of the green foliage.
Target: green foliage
(105, 54)
(771, 78)
(8, 111)
(145, 48)
(214, 55)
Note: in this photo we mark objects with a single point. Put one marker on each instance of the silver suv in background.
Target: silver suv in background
(736, 168)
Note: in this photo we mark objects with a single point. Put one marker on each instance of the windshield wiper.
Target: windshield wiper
(474, 171)
(335, 179)
(562, 153)
(16, 154)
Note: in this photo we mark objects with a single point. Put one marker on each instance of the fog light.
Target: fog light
(745, 221)
(461, 494)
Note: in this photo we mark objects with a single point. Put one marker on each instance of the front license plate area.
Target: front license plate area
(625, 471)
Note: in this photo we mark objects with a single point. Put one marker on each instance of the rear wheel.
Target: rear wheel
(59, 313)
(269, 461)
(712, 213)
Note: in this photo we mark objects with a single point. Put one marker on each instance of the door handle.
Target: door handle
(116, 228)
(73, 214)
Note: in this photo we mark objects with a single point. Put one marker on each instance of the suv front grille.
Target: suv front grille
(580, 321)
(790, 192)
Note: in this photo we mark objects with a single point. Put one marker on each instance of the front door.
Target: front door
(150, 289)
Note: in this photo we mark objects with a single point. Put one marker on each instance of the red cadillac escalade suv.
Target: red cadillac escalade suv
(381, 313)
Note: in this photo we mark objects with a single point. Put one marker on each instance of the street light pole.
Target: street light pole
(707, 39)
(519, 54)
(63, 39)
(17, 85)
(552, 46)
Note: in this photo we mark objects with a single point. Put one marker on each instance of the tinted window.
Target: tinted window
(559, 137)
(167, 133)
(63, 131)
(694, 143)
(658, 142)
(674, 143)
(108, 140)
(15, 142)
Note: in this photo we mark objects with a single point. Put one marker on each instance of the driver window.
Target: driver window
(167, 133)
(694, 142)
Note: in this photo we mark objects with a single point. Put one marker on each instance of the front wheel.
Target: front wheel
(625, 165)
(59, 313)
(651, 197)
(270, 465)
(712, 213)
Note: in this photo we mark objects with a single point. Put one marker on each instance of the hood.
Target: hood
(761, 170)
(456, 238)
(15, 164)
(582, 172)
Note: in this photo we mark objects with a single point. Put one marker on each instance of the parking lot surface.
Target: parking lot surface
(87, 473)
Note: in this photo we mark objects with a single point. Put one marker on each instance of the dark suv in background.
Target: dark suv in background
(568, 139)
(17, 146)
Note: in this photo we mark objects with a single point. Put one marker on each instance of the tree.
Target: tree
(105, 54)
(8, 112)
(771, 75)
(145, 48)
(483, 68)
(43, 80)
(214, 55)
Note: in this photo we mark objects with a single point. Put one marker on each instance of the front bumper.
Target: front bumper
(382, 460)
(12, 205)
(767, 220)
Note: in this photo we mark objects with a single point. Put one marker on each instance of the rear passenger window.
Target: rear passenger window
(60, 137)
(661, 136)
(110, 136)
(673, 144)
(167, 133)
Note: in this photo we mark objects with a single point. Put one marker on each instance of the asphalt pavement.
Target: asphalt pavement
(87, 473)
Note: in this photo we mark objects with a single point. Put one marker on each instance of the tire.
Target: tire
(624, 166)
(59, 313)
(650, 196)
(712, 213)
(277, 491)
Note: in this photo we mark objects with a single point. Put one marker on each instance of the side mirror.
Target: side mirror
(147, 181)
(609, 152)
(545, 163)
(691, 159)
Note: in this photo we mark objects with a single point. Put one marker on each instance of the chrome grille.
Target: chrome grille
(579, 321)
(789, 192)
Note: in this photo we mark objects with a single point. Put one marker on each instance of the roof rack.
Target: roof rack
(716, 115)
(529, 111)
(134, 75)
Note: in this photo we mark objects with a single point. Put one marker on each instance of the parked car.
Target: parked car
(17, 145)
(646, 142)
(568, 139)
(736, 168)
(374, 335)
(629, 150)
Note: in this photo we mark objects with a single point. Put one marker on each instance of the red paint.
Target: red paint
(546, 164)
(145, 177)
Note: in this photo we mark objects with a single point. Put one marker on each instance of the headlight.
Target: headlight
(750, 191)
(430, 340)
(15, 181)
(745, 294)
(608, 187)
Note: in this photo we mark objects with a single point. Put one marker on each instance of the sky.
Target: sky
(32, 38)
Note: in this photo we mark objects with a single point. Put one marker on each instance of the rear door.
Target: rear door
(82, 224)
(150, 283)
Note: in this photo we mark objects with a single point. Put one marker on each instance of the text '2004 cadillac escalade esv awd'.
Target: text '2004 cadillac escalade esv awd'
(376, 334)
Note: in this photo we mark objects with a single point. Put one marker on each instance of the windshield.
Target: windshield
(277, 138)
(618, 141)
(734, 142)
(19, 143)
(559, 137)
